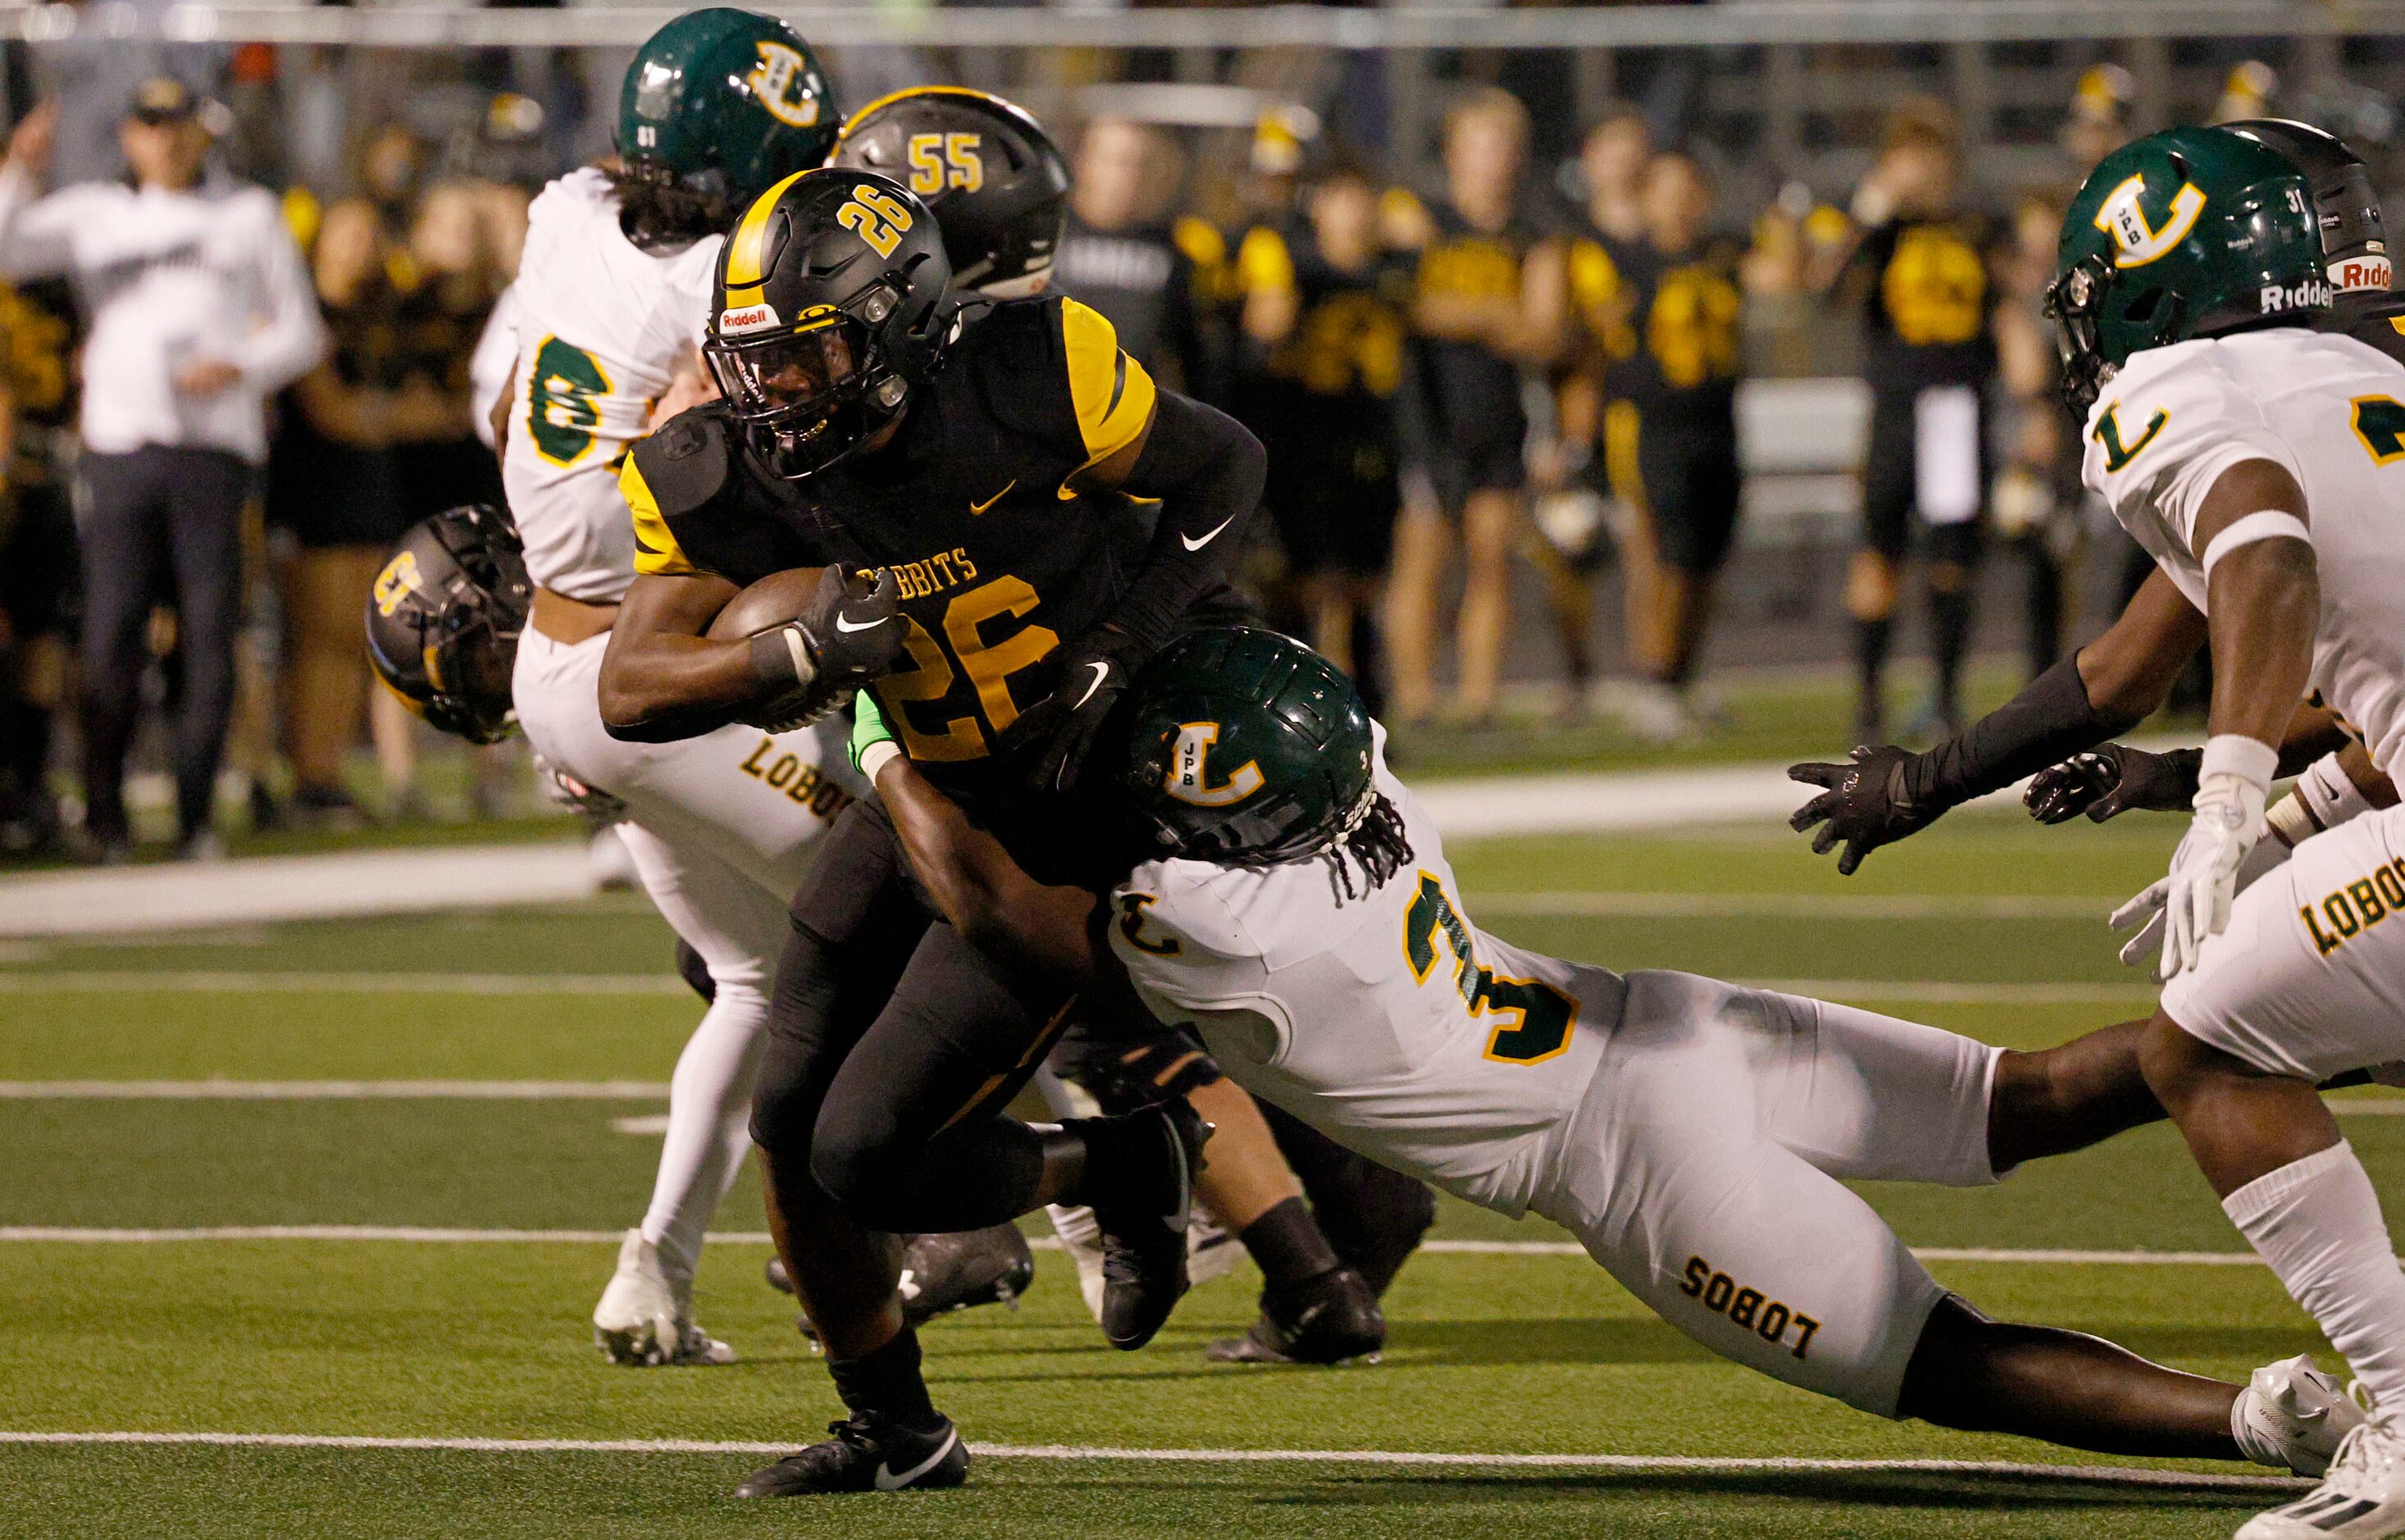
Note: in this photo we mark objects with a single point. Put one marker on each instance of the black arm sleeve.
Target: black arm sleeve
(2048, 722)
(1207, 471)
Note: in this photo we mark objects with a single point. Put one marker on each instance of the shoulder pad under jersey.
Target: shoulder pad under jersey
(690, 461)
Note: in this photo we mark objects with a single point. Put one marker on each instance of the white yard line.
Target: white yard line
(429, 1234)
(2113, 1475)
(1800, 907)
(132, 981)
(1945, 992)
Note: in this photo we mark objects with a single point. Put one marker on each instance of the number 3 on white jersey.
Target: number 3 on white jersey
(1536, 1018)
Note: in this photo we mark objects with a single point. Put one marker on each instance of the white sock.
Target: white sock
(2317, 1222)
(710, 1122)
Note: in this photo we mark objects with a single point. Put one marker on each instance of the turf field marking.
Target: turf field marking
(333, 1090)
(652, 1124)
(1789, 906)
(138, 981)
(2115, 1475)
(1945, 992)
(430, 1234)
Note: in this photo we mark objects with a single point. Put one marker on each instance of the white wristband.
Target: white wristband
(876, 757)
(2267, 524)
(2330, 794)
(2250, 759)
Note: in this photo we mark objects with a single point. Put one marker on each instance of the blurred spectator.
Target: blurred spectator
(1570, 521)
(199, 310)
(2099, 120)
(2037, 494)
(1331, 307)
(1670, 431)
(1487, 303)
(38, 581)
(376, 437)
(1118, 253)
(1919, 274)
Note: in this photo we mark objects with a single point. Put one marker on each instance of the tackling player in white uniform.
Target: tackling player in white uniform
(609, 304)
(1695, 1136)
(2251, 447)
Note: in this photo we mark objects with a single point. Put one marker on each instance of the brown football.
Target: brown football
(772, 601)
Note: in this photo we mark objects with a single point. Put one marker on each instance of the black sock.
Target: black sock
(1870, 654)
(1288, 1246)
(888, 1382)
(1949, 636)
(1126, 1162)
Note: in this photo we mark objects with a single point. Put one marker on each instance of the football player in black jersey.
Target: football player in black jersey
(2355, 248)
(1922, 274)
(998, 187)
(1040, 518)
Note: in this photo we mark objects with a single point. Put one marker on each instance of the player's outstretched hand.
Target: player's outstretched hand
(1061, 729)
(1869, 802)
(2111, 780)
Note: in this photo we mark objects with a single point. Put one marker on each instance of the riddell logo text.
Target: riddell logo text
(2309, 295)
(754, 318)
(2358, 275)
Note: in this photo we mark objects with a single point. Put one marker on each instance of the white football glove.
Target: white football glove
(2145, 911)
(2192, 901)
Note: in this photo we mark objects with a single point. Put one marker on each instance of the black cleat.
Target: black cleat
(1331, 1319)
(941, 1274)
(867, 1454)
(1155, 1152)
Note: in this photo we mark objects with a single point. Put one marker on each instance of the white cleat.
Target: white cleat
(2292, 1415)
(2362, 1498)
(645, 1317)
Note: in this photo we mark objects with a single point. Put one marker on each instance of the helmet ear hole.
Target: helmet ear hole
(2142, 308)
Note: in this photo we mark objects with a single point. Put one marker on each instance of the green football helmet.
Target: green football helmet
(2189, 232)
(1246, 748)
(724, 104)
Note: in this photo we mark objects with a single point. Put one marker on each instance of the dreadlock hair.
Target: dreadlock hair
(656, 210)
(1374, 838)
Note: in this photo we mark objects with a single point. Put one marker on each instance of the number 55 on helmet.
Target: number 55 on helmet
(444, 619)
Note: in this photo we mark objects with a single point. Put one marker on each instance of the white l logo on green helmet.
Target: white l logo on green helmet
(1190, 774)
(779, 72)
(2122, 217)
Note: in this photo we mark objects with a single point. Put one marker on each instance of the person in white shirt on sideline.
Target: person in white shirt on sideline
(199, 310)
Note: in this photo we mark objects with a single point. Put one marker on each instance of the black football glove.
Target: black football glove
(2112, 780)
(847, 635)
(1872, 800)
(1061, 730)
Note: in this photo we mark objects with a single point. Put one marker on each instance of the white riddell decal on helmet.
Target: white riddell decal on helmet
(2140, 242)
(781, 83)
(750, 318)
(2312, 294)
(1190, 773)
(2368, 274)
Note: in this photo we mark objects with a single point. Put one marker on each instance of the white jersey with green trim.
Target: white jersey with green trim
(602, 328)
(1386, 1019)
(2328, 410)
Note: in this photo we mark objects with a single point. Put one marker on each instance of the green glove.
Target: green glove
(868, 729)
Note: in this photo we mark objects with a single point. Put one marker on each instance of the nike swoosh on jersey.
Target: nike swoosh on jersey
(843, 624)
(976, 508)
(1101, 677)
(1193, 545)
(888, 1482)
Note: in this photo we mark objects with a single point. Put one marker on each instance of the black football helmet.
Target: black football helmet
(2354, 251)
(830, 313)
(445, 616)
(993, 178)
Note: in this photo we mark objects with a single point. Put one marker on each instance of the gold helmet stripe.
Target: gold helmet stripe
(743, 248)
